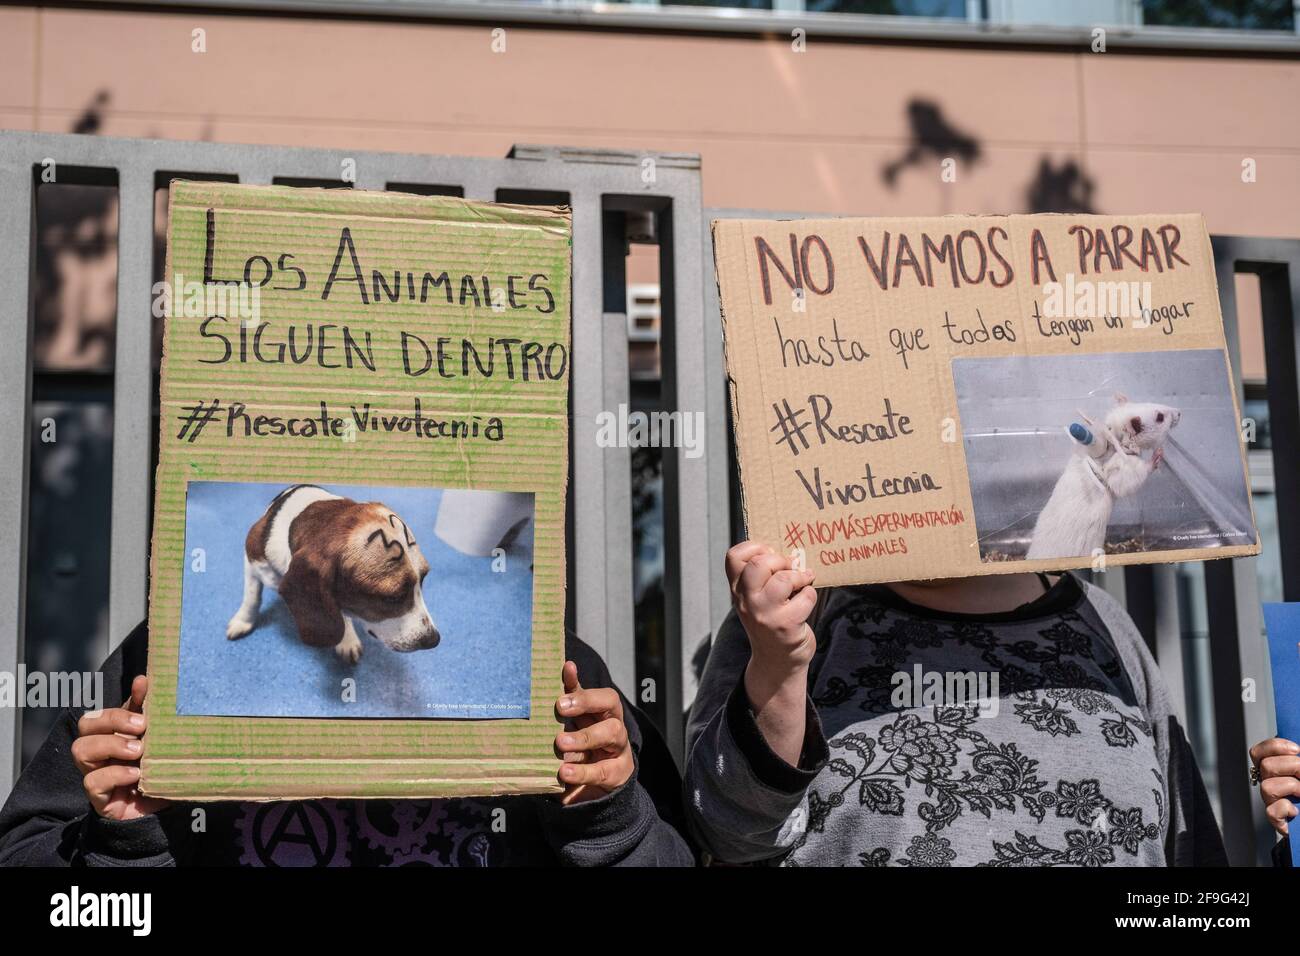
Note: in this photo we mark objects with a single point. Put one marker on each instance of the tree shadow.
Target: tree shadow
(932, 138)
(92, 117)
(1063, 189)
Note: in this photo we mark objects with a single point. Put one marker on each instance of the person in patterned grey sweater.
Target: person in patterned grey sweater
(1010, 720)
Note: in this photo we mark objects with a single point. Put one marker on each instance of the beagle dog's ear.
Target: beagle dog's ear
(308, 591)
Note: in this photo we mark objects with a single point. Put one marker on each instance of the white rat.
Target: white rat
(1073, 522)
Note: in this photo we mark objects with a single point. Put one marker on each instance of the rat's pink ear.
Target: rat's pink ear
(1121, 398)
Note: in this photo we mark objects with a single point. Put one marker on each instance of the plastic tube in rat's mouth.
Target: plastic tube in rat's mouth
(1095, 445)
(1224, 512)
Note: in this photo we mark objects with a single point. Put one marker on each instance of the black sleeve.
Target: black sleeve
(1282, 852)
(769, 768)
(48, 821)
(1195, 839)
(639, 824)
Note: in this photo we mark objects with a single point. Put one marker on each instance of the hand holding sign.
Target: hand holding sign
(107, 752)
(594, 746)
(1278, 763)
(773, 600)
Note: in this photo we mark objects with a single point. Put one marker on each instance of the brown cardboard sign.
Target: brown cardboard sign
(357, 582)
(965, 395)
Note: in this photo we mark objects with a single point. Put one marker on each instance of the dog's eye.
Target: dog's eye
(1160, 417)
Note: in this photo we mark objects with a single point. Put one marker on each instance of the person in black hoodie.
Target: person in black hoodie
(77, 804)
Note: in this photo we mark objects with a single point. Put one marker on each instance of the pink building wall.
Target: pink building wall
(812, 131)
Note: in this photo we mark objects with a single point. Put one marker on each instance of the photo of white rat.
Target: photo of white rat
(1074, 520)
(1161, 472)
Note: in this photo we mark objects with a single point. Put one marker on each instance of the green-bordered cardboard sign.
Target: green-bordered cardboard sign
(358, 543)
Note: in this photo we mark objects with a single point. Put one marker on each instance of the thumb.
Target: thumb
(139, 687)
(570, 677)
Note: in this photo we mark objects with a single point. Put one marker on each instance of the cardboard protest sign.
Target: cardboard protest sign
(357, 582)
(942, 397)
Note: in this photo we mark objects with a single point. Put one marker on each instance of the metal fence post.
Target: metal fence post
(17, 258)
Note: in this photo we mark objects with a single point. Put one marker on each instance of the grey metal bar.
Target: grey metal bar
(603, 510)
(615, 555)
(1114, 584)
(717, 410)
(697, 505)
(17, 257)
(132, 399)
(1257, 716)
(1233, 613)
(1169, 642)
(587, 400)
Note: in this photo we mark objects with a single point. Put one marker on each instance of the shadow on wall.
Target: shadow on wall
(1066, 189)
(933, 138)
(90, 121)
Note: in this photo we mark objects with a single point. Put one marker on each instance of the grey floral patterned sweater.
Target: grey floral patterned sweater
(1038, 737)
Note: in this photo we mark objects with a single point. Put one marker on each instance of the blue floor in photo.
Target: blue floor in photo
(481, 668)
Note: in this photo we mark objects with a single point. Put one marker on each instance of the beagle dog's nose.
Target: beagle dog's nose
(429, 638)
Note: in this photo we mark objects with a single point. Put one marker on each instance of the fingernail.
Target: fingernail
(1295, 748)
(133, 746)
(137, 720)
(566, 703)
(568, 771)
(568, 741)
(135, 771)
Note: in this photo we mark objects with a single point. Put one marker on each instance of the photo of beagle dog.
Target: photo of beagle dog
(345, 569)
